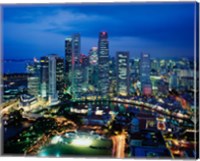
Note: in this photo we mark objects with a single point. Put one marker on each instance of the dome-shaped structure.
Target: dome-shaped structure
(135, 125)
(135, 121)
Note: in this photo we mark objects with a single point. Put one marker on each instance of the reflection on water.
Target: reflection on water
(11, 131)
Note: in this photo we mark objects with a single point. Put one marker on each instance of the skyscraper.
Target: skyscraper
(155, 67)
(68, 60)
(112, 76)
(77, 77)
(93, 56)
(73, 67)
(60, 76)
(34, 79)
(173, 81)
(53, 95)
(103, 64)
(93, 66)
(76, 49)
(145, 69)
(44, 77)
(84, 62)
(122, 73)
(33, 85)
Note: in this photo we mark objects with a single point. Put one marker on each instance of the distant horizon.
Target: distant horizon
(165, 58)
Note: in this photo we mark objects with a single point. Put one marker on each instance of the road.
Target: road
(9, 106)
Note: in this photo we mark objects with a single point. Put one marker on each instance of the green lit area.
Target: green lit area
(97, 148)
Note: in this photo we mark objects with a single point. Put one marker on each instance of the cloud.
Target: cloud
(42, 29)
(56, 21)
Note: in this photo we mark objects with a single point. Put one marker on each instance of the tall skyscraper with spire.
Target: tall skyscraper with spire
(103, 64)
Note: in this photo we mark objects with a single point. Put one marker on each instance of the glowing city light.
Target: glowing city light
(43, 154)
(82, 142)
(56, 140)
(118, 149)
(57, 155)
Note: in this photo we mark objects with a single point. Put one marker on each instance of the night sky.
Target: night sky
(164, 30)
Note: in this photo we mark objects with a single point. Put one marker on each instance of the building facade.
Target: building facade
(74, 76)
(145, 69)
(103, 64)
(53, 95)
(93, 67)
(93, 56)
(44, 77)
(68, 60)
(122, 73)
(33, 80)
(60, 77)
(33, 85)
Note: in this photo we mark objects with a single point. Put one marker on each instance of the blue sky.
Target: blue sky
(160, 29)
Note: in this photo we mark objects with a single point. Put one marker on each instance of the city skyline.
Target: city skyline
(100, 81)
(168, 34)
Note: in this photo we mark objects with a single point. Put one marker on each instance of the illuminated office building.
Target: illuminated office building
(84, 60)
(77, 77)
(134, 70)
(34, 79)
(74, 76)
(123, 73)
(60, 76)
(173, 81)
(103, 64)
(33, 85)
(44, 77)
(68, 59)
(155, 66)
(145, 69)
(185, 78)
(93, 67)
(93, 56)
(53, 95)
(112, 77)
(112, 69)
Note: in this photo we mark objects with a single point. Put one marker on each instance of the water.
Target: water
(14, 67)
(10, 132)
